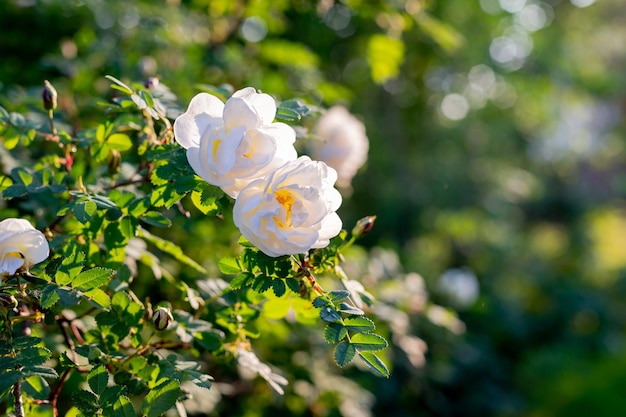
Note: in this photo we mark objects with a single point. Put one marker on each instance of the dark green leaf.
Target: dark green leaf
(42, 371)
(154, 218)
(98, 379)
(338, 295)
(85, 401)
(49, 296)
(84, 210)
(161, 398)
(123, 408)
(208, 340)
(32, 356)
(110, 395)
(243, 279)
(8, 379)
(350, 309)
(329, 314)
(334, 333)
(279, 287)
(36, 387)
(320, 302)
(344, 353)
(119, 85)
(293, 284)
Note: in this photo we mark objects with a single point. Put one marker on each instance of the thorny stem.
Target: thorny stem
(17, 388)
(318, 289)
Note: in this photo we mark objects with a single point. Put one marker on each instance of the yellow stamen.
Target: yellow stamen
(286, 200)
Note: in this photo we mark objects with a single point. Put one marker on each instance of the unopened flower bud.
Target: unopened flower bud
(49, 96)
(162, 318)
(363, 226)
(151, 83)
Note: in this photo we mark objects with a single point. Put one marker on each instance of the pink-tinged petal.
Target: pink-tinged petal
(240, 112)
(203, 112)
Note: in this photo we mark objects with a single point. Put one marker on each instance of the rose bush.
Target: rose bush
(21, 246)
(232, 144)
(292, 210)
(343, 143)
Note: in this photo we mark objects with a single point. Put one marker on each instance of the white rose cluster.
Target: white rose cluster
(21, 246)
(284, 205)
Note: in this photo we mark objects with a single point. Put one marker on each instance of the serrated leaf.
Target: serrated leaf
(23, 342)
(123, 408)
(165, 196)
(161, 398)
(84, 210)
(200, 379)
(9, 379)
(208, 340)
(128, 227)
(329, 314)
(229, 266)
(70, 267)
(99, 297)
(368, 341)
(338, 295)
(350, 309)
(344, 353)
(42, 371)
(241, 280)
(374, 363)
(279, 287)
(85, 401)
(334, 333)
(98, 379)
(92, 278)
(32, 356)
(36, 387)
(110, 395)
(359, 324)
(320, 302)
(49, 297)
(293, 285)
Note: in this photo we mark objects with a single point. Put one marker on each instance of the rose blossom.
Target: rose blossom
(232, 144)
(292, 210)
(21, 246)
(343, 145)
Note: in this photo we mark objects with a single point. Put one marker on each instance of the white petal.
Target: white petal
(240, 112)
(204, 111)
(264, 104)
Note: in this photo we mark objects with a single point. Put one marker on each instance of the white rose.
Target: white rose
(21, 246)
(232, 144)
(292, 210)
(343, 144)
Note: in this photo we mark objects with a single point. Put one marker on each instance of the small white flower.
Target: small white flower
(21, 246)
(292, 210)
(343, 144)
(232, 144)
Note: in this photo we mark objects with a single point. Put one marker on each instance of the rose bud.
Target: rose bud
(49, 96)
(363, 226)
(162, 318)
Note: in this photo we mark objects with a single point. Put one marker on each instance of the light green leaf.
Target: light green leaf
(92, 278)
(119, 85)
(123, 408)
(161, 398)
(368, 341)
(359, 324)
(229, 266)
(120, 142)
(49, 296)
(374, 363)
(98, 297)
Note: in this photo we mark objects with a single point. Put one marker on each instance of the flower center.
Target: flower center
(286, 200)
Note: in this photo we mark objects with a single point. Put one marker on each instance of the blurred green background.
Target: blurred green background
(496, 170)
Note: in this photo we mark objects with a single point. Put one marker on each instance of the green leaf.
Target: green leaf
(359, 324)
(123, 408)
(208, 340)
(84, 210)
(42, 371)
(344, 353)
(165, 196)
(110, 395)
(36, 387)
(329, 314)
(338, 295)
(374, 363)
(200, 379)
(154, 218)
(24, 342)
(98, 379)
(92, 278)
(70, 267)
(9, 379)
(32, 356)
(128, 227)
(99, 297)
(350, 309)
(119, 85)
(241, 280)
(229, 266)
(293, 284)
(85, 401)
(368, 341)
(334, 333)
(320, 302)
(279, 287)
(171, 249)
(49, 296)
(119, 141)
(161, 398)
